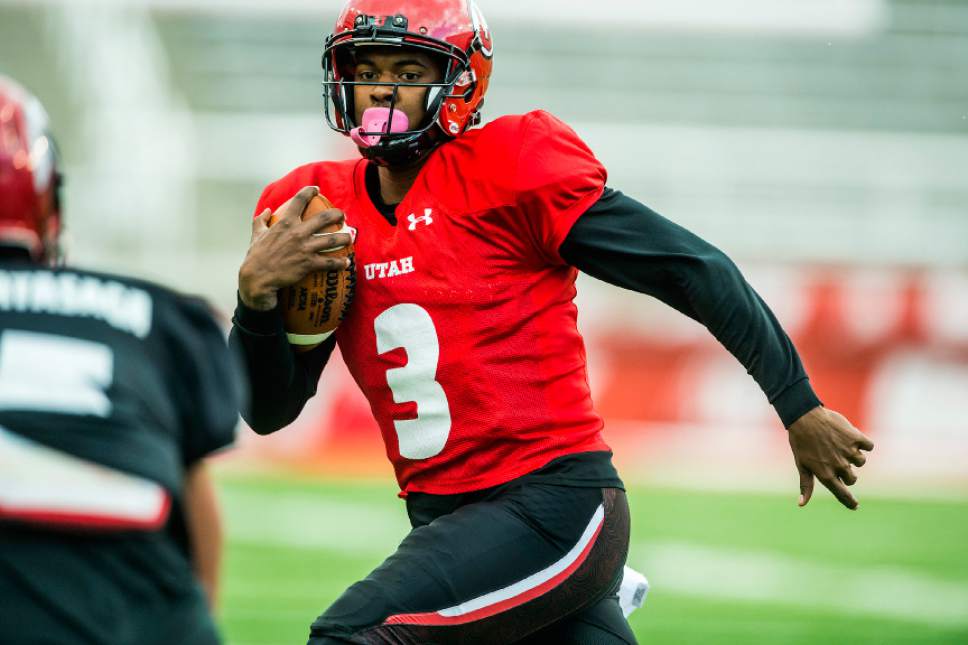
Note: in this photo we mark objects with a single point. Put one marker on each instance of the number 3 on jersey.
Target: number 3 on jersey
(409, 326)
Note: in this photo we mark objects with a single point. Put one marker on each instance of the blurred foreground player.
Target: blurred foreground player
(112, 391)
(462, 336)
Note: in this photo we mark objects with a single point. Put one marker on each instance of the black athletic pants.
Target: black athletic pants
(520, 563)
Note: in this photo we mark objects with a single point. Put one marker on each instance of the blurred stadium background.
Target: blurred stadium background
(822, 143)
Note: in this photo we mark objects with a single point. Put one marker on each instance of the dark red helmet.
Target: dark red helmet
(452, 29)
(29, 175)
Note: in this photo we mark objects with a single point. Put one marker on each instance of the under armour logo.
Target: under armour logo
(425, 218)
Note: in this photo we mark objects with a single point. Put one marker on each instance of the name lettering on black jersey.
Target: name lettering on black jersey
(69, 294)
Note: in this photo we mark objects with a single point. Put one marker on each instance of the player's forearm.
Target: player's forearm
(745, 325)
(280, 383)
(625, 243)
(204, 529)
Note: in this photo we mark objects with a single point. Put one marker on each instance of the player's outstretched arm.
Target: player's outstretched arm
(625, 243)
(825, 445)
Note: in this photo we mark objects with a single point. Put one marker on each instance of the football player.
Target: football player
(463, 337)
(112, 393)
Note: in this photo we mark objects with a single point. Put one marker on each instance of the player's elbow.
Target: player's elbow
(712, 277)
(263, 429)
(717, 266)
(265, 422)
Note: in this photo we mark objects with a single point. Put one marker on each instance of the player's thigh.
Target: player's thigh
(490, 572)
(601, 624)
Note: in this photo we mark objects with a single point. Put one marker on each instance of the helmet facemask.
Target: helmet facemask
(392, 148)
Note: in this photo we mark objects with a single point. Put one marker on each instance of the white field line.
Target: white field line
(305, 521)
(771, 578)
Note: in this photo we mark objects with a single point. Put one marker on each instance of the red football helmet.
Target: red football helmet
(455, 30)
(29, 177)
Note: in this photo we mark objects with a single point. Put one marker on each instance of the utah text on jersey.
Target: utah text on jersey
(391, 269)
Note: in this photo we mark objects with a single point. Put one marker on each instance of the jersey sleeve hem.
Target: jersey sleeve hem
(567, 191)
(795, 401)
(571, 215)
(255, 322)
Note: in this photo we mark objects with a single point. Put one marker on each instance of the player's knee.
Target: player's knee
(327, 632)
(361, 607)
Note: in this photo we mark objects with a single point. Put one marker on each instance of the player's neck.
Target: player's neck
(396, 182)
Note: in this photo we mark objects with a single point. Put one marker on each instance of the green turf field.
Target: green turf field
(724, 568)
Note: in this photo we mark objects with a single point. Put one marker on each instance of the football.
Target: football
(313, 307)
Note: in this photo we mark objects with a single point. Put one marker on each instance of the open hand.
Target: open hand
(825, 445)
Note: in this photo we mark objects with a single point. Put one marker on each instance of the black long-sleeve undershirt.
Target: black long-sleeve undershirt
(280, 379)
(622, 242)
(617, 240)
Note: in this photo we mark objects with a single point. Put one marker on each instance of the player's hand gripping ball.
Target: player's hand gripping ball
(313, 307)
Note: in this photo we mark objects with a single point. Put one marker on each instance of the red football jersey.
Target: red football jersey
(462, 333)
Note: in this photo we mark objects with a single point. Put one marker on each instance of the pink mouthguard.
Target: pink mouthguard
(376, 120)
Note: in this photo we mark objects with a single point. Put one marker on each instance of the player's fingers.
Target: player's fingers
(323, 262)
(327, 218)
(806, 485)
(293, 209)
(857, 458)
(864, 443)
(847, 475)
(261, 222)
(840, 491)
(326, 242)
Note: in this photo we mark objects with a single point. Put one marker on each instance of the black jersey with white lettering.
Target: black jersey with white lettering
(114, 371)
(110, 389)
